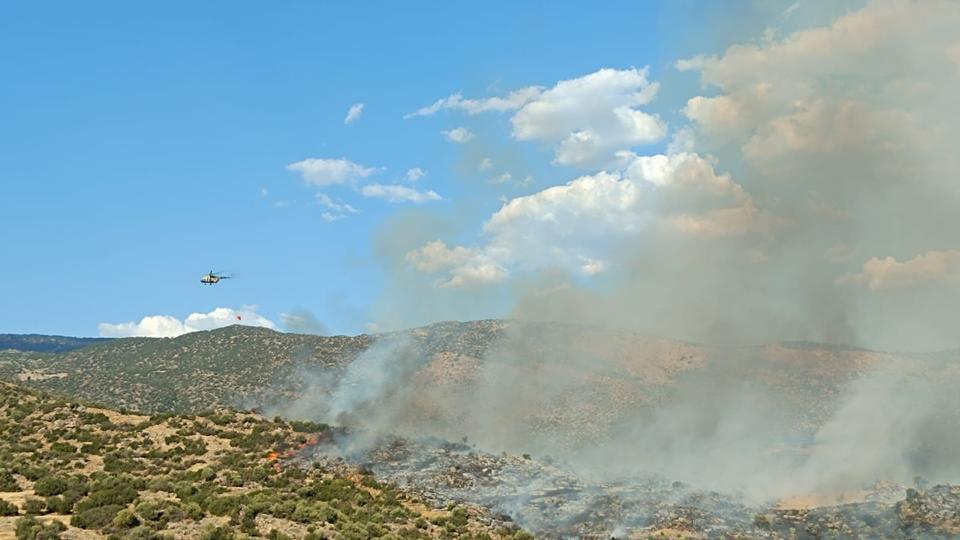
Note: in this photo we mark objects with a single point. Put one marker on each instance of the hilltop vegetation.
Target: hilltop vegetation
(189, 373)
(225, 367)
(85, 472)
(44, 343)
(577, 382)
(528, 389)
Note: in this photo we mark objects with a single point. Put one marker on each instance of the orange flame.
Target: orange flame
(274, 456)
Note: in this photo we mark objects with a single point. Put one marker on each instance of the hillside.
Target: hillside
(601, 373)
(569, 430)
(45, 343)
(220, 367)
(84, 472)
(188, 373)
(568, 384)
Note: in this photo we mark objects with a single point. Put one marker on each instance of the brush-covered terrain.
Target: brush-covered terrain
(45, 343)
(185, 374)
(607, 372)
(72, 470)
(570, 431)
(75, 471)
(213, 368)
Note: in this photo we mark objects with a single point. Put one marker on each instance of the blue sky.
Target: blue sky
(137, 141)
(664, 163)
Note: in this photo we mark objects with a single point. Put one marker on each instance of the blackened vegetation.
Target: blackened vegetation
(554, 502)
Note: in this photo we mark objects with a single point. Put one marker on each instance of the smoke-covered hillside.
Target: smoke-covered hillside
(782, 419)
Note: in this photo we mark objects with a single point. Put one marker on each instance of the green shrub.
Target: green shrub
(96, 418)
(160, 484)
(150, 510)
(125, 519)
(8, 482)
(117, 462)
(63, 504)
(49, 486)
(194, 447)
(305, 512)
(233, 478)
(459, 516)
(29, 528)
(63, 448)
(207, 474)
(96, 518)
(354, 531)
(110, 491)
(33, 473)
(91, 448)
(8, 508)
(217, 533)
(34, 507)
(306, 426)
(159, 513)
(248, 524)
(375, 530)
(194, 511)
(222, 506)
(142, 533)
(59, 505)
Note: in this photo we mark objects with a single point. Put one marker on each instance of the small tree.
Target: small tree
(8, 482)
(34, 507)
(49, 486)
(8, 508)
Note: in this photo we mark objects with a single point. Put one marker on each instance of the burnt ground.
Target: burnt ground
(553, 502)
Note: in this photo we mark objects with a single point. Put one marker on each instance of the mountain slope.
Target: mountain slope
(189, 373)
(228, 366)
(45, 343)
(596, 402)
(559, 378)
(90, 472)
(238, 365)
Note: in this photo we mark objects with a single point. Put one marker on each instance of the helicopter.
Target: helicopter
(213, 278)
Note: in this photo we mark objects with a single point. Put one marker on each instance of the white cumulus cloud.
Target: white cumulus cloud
(578, 225)
(590, 117)
(415, 174)
(353, 114)
(458, 135)
(512, 101)
(398, 194)
(888, 273)
(168, 326)
(464, 266)
(334, 210)
(327, 171)
(587, 118)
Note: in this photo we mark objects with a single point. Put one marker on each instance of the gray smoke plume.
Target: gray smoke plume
(809, 195)
(301, 321)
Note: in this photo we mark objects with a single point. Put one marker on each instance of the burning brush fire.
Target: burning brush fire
(276, 457)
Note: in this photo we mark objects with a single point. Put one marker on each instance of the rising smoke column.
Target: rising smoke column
(808, 193)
